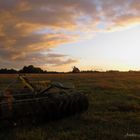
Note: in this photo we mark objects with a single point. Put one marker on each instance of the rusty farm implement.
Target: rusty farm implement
(43, 101)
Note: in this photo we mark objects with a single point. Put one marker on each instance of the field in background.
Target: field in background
(114, 111)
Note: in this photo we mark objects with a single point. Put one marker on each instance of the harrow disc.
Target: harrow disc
(46, 107)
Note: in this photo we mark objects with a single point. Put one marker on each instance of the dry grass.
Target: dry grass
(114, 109)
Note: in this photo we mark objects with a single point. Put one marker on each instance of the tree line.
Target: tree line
(32, 69)
(25, 69)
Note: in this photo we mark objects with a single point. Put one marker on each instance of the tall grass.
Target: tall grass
(113, 114)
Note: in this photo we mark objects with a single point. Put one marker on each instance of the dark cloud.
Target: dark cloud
(55, 55)
(51, 60)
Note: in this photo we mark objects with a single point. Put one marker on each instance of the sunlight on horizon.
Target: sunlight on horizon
(118, 50)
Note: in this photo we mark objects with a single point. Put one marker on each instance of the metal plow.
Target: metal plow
(44, 101)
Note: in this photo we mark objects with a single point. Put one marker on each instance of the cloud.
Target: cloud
(30, 27)
(50, 61)
(120, 14)
(21, 22)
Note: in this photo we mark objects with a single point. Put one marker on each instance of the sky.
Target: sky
(59, 34)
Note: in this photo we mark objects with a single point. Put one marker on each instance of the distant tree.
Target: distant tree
(13, 71)
(113, 71)
(7, 71)
(90, 71)
(31, 69)
(75, 70)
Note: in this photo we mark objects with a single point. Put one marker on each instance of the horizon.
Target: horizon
(57, 35)
(80, 70)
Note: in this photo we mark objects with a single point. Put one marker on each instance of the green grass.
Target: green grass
(113, 114)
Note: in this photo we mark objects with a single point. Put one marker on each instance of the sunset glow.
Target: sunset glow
(58, 34)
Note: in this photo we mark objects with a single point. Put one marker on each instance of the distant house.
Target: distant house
(75, 70)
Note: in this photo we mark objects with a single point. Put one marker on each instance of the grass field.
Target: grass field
(113, 114)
